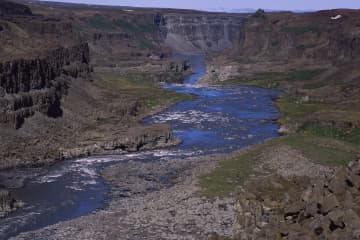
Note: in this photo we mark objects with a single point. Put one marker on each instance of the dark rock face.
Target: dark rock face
(11, 8)
(159, 20)
(36, 85)
(7, 202)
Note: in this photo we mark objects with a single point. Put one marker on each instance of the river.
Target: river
(220, 119)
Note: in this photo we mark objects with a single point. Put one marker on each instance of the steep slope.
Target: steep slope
(200, 33)
(53, 107)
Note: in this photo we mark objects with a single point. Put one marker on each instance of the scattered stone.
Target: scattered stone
(327, 210)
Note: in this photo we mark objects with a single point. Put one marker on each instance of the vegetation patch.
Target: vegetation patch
(325, 151)
(315, 129)
(300, 30)
(304, 75)
(314, 85)
(100, 22)
(148, 92)
(146, 44)
(125, 25)
(134, 27)
(232, 173)
(229, 175)
(292, 109)
(273, 79)
(353, 136)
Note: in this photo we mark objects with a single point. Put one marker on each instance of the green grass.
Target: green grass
(304, 75)
(273, 79)
(148, 28)
(302, 112)
(146, 44)
(325, 151)
(99, 22)
(125, 25)
(300, 30)
(144, 89)
(230, 174)
(353, 136)
(293, 110)
(314, 85)
(314, 129)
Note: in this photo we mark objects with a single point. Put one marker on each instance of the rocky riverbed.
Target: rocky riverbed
(153, 200)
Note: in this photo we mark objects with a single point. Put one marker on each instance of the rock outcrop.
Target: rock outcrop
(11, 8)
(326, 209)
(36, 85)
(7, 203)
(136, 139)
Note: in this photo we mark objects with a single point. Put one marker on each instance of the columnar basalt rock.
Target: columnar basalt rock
(36, 85)
(7, 202)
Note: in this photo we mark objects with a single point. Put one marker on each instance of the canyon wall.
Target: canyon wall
(36, 85)
(38, 58)
(200, 33)
(311, 36)
(11, 8)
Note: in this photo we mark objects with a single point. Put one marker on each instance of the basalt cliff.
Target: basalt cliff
(52, 104)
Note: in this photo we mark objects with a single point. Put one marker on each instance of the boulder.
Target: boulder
(329, 203)
(7, 202)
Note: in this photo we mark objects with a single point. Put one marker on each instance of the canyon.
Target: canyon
(78, 81)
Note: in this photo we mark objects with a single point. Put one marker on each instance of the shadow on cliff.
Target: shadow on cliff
(55, 110)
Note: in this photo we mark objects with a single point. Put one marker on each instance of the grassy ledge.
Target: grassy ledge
(276, 79)
(232, 173)
(147, 92)
(229, 175)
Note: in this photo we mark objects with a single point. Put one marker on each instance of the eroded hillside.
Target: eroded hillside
(53, 105)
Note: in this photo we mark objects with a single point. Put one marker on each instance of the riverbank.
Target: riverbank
(320, 123)
(195, 198)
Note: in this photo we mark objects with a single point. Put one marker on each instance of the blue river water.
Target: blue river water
(220, 119)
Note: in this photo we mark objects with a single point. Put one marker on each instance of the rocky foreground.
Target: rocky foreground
(163, 200)
(327, 208)
(157, 200)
